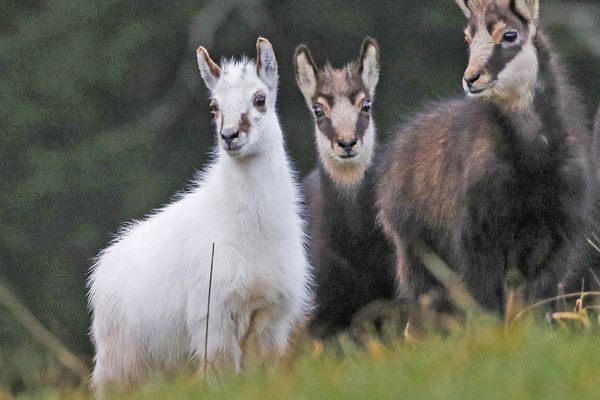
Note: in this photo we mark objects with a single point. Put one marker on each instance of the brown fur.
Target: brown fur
(245, 125)
(490, 190)
(354, 263)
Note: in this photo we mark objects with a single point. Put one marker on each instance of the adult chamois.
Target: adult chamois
(353, 259)
(497, 183)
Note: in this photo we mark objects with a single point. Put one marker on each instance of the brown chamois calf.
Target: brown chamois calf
(498, 181)
(353, 260)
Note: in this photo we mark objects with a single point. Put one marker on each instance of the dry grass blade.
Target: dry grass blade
(594, 245)
(437, 267)
(581, 317)
(581, 295)
(36, 329)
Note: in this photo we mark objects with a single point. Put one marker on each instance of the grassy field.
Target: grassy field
(479, 361)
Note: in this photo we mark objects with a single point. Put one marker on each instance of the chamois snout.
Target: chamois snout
(231, 139)
(229, 136)
(234, 134)
(471, 79)
(347, 147)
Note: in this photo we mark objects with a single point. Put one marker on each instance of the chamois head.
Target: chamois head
(341, 102)
(503, 64)
(243, 95)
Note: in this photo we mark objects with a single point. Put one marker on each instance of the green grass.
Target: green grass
(482, 361)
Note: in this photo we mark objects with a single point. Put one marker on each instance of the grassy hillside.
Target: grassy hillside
(481, 361)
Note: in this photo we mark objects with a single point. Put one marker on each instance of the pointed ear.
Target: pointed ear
(209, 70)
(530, 9)
(464, 6)
(266, 63)
(306, 73)
(369, 64)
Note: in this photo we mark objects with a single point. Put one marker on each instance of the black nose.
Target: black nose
(346, 145)
(228, 137)
(470, 80)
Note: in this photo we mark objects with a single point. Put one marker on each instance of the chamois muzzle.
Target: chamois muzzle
(229, 136)
(470, 80)
(348, 147)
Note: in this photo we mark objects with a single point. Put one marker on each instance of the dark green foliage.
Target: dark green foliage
(104, 116)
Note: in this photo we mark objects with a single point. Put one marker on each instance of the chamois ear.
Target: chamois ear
(530, 9)
(369, 64)
(209, 70)
(266, 63)
(306, 73)
(464, 6)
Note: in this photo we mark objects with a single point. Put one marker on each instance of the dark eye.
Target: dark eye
(510, 37)
(259, 100)
(366, 105)
(467, 41)
(318, 110)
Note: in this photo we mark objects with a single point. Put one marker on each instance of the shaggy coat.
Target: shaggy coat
(149, 288)
(352, 258)
(587, 277)
(489, 188)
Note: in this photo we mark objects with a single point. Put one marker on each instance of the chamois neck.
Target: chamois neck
(342, 191)
(258, 171)
(548, 87)
(343, 178)
(538, 129)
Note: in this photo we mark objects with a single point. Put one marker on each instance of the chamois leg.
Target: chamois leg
(415, 280)
(223, 345)
(484, 276)
(116, 368)
(338, 295)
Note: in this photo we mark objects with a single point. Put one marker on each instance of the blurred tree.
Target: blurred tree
(104, 115)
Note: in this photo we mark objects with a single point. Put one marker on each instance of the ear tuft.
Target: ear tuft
(464, 6)
(266, 63)
(306, 73)
(369, 64)
(530, 9)
(209, 70)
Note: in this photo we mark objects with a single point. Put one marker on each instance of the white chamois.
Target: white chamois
(148, 289)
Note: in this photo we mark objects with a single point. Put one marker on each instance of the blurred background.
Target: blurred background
(104, 117)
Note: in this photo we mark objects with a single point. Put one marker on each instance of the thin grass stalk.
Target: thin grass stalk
(212, 263)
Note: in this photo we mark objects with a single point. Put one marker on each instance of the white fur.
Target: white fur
(148, 289)
(370, 73)
(515, 83)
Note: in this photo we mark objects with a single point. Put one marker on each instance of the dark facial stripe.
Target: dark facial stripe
(513, 8)
(326, 127)
(362, 124)
(500, 58)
